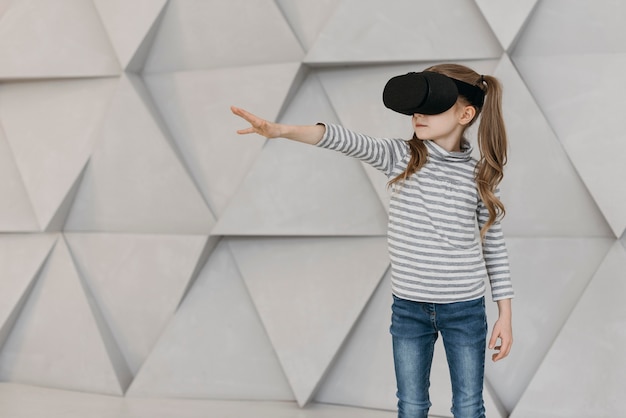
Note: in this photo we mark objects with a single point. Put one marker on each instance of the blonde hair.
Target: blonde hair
(492, 141)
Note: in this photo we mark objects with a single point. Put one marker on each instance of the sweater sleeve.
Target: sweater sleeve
(496, 256)
(381, 153)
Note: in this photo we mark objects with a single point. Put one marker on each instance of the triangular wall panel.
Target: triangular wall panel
(562, 27)
(539, 170)
(64, 38)
(51, 153)
(589, 129)
(308, 314)
(16, 211)
(215, 346)
(21, 257)
(137, 282)
(586, 347)
(362, 372)
(134, 181)
(220, 33)
(196, 107)
(59, 317)
(58, 220)
(562, 268)
(307, 17)
(579, 107)
(506, 17)
(365, 31)
(127, 23)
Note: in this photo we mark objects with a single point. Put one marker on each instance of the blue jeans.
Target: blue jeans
(415, 327)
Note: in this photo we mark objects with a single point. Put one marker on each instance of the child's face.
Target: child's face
(446, 126)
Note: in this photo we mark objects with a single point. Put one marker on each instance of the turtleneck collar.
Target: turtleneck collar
(438, 153)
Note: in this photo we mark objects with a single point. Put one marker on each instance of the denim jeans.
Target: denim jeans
(415, 327)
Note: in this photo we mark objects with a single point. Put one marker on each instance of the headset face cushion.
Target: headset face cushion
(426, 93)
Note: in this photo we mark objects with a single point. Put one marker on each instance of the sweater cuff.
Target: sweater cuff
(326, 138)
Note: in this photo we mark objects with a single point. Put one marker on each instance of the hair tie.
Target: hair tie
(482, 79)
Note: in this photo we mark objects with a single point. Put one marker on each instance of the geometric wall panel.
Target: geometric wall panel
(362, 373)
(402, 31)
(128, 23)
(197, 263)
(58, 315)
(307, 17)
(586, 119)
(137, 282)
(561, 268)
(506, 17)
(119, 193)
(51, 153)
(221, 33)
(539, 170)
(16, 211)
(590, 347)
(191, 103)
(64, 38)
(577, 28)
(577, 78)
(308, 315)
(215, 346)
(309, 104)
(21, 257)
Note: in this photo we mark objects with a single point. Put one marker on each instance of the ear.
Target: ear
(467, 115)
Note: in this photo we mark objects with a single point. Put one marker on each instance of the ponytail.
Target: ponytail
(492, 143)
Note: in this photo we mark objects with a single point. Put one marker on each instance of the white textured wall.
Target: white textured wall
(147, 250)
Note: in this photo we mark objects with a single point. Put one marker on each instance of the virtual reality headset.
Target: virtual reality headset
(428, 93)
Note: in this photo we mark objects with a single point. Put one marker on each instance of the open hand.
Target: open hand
(258, 125)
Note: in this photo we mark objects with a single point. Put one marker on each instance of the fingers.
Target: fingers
(502, 350)
(257, 125)
(244, 114)
(241, 113)
(253, 120)
(246, 131)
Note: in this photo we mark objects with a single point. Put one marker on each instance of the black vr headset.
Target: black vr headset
(428, 93)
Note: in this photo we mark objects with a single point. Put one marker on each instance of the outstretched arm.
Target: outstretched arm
(309, 134)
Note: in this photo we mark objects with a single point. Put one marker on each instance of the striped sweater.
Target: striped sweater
(435, 250)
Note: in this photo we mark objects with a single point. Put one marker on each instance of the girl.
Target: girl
(439, 261)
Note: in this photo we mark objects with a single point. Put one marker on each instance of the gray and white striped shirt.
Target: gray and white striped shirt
(435, 250)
